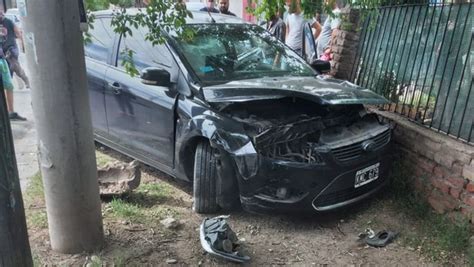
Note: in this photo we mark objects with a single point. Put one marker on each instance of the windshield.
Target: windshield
(220, 53)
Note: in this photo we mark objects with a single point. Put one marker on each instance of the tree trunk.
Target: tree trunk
(60, 98)
(14, 244)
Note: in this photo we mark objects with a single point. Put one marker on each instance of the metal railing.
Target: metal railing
(420, 56)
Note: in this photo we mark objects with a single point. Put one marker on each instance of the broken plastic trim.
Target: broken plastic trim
(218, 239)
(240, 148)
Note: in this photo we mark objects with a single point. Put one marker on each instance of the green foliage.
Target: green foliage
(311, 7)
(94, 5)
(160, 18)
(127, 62)
(267, 8)
(125, 210)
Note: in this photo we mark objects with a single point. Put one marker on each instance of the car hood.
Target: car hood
(320, 89)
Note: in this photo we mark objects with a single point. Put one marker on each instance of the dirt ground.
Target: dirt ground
(305, 240)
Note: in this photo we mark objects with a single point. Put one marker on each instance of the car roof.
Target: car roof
(199, 17)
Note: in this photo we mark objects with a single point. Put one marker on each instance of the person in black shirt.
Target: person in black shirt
(210, 7)
(224, 8)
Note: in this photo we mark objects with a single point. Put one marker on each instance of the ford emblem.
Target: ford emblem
(368, 146)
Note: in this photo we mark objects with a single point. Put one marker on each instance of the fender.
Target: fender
(195, 121)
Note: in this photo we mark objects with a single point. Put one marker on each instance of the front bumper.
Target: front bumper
(296, 187)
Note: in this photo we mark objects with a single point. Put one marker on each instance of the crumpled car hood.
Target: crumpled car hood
(322, 90)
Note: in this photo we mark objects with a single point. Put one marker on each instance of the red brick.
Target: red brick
(470, 187)
(426, 165)
(456, 182)
(456, 169)
(442, 185)
(439, 172)
(455, 192)
(469, 199)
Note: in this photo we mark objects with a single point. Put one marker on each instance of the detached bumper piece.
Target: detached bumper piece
(218, 239)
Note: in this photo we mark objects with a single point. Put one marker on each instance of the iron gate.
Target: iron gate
(420, 56)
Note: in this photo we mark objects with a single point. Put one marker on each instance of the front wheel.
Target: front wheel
(205, 179)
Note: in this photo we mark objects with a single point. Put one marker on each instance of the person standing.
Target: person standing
(210, 7)
(294, 27)
(8, 33)
(277, 27)
(329, 31)
(224, 8)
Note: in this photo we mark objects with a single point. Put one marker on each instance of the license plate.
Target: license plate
(367, 175)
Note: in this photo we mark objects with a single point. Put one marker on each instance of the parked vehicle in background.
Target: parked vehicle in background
(239, 114)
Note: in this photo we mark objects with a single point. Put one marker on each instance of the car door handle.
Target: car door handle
(116, 88)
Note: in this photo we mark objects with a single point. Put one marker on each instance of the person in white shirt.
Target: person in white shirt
(294, 26)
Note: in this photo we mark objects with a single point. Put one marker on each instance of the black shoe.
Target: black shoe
(13, 116)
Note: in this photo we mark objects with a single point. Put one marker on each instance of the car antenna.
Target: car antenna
(212, 19)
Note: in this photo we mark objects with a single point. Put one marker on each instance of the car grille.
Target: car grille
(354, 151)
(333, 198)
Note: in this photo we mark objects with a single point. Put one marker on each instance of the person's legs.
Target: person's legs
(8, 87)
(15, 67)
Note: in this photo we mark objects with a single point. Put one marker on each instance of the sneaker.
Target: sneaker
(13, 116)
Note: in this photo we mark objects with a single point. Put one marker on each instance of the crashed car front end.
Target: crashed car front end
(296, 154)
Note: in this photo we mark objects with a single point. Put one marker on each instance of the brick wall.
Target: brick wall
(443, 167)
(345, 45)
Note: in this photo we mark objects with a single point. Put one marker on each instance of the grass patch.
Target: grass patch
(125, 210)
(34, 203)
(102, 158)
(160, 190)
(37, 218)
(35, 189)
(163, 212)
(436, 235)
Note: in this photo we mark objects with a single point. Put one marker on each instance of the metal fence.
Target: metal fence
(420, 56)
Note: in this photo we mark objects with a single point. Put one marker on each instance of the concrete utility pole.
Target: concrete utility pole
(60, 98)
(14, 244)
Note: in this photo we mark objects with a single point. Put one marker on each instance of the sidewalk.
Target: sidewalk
(24, 136)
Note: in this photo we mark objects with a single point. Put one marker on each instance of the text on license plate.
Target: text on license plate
(367, 175)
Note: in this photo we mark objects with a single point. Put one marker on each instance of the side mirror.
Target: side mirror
(321, 66)
(155, 76)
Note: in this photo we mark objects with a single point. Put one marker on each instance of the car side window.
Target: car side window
(145, 54)
(100, 40)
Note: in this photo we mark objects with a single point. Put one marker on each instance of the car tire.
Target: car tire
(205, 179)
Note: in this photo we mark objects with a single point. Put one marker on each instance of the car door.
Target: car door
(98, 49)
(141, 116)
(309, 45)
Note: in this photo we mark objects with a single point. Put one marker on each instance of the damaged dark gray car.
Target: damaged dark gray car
(240, 115)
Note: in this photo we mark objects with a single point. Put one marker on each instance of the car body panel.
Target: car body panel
(322, 90)
(161, 126)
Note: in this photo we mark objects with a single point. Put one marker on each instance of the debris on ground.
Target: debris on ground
(116, 178)
(380, 239)
(218, 239)
(170, 223)
(171, 261)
